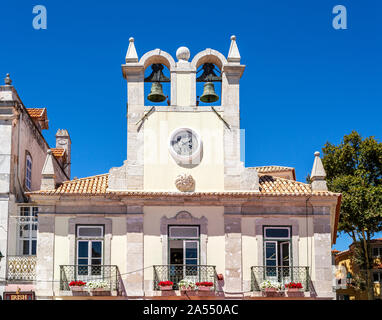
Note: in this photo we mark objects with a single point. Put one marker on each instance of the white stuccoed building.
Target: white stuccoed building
(23, 152)
(182, 205)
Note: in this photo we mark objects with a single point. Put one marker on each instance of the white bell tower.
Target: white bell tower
(158, 135)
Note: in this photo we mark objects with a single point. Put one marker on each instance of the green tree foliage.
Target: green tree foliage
(354, 168)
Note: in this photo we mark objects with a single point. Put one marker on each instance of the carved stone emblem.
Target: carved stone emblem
(185, 183)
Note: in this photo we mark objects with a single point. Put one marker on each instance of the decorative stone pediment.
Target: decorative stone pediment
(184, 218)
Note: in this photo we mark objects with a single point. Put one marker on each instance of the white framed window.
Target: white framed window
(90, 242)
(277, 232)
(184, 232)
(377, 252)
(27, 230)
(277, 251)
(28, 172)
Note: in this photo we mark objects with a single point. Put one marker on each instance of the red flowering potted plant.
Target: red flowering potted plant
(293, 286)
(77, 286)
(204, 286)
(165, 285)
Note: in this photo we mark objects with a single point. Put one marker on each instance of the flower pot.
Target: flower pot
(100, 292)
(79, 291)
(293, 290)
(270, 292)
(165, 288)
(204, 288)
(77, 288)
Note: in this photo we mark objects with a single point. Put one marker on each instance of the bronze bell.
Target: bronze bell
(209, 94)
(156, 94)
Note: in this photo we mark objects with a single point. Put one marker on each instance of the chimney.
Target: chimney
(318, 174)
(47, 175)
(63, 141)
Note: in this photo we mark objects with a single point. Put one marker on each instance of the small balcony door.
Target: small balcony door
(277, 254)
(89, 252)
(183, 253)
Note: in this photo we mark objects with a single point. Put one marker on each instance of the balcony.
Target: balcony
(21, 268)
(281, 275)
(176, 272)
(86, 273)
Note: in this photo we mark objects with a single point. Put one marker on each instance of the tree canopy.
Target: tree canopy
(354, 168)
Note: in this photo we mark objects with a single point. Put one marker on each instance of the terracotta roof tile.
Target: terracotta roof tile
(37, 113)
(269, 186)
(58, 152)
(268, 169)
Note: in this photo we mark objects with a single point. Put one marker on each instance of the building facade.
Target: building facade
(23, 151)
(183, 206)
(347, 288)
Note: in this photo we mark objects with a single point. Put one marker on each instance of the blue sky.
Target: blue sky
(305, 82)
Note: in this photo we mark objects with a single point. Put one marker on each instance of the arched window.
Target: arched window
(28, 172)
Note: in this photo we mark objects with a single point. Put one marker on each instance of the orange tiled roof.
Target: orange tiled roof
(272, 186)
(58, 152)
(268, 169)
(38, 113)
(90, 185)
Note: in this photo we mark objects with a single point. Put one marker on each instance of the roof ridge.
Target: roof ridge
(285, 179)
(97, 175)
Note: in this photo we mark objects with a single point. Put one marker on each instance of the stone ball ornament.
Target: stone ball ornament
(185, 183)
(183, 53)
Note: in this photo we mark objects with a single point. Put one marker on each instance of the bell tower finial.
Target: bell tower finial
(131, 55)
(233, 54)
(318, 174)
(7, 80)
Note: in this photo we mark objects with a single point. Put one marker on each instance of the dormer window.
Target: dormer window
(28, 172)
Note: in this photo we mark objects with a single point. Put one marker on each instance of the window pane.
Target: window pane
(90, 232)
(96, 249)
(277, 233)
(184, 232)
(270, 250)
(375, 252)
(83, 248)
(285, 254)
(192, 253)
(271, 262)
(83, 261)
(26, 247)
(375, 276)
(34, 243)
(24, 211)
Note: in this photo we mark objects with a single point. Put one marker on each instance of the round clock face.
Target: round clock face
(184, 144)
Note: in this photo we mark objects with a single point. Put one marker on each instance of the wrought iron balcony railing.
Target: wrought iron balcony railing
(282, 275)
(21, 268)
(178, 272)
(86, 273)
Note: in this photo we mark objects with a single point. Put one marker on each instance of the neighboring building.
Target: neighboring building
(183, 205)
(347, 290)
(23, 152)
